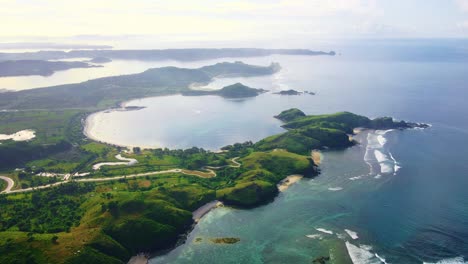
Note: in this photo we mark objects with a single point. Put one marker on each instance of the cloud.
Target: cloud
(213, 19)
(463, 5)
(463, 26)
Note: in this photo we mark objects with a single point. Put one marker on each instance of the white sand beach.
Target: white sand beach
(22, 135)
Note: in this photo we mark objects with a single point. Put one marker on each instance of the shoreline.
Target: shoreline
(141, 258)
(287, 182)
(197, 215)
(22, 135)
(317, 157)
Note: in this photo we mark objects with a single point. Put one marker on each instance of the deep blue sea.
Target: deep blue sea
(397, 197)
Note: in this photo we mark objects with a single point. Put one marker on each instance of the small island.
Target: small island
(293, 92)
(237, 90)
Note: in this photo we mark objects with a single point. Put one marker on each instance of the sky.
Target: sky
(231, 20)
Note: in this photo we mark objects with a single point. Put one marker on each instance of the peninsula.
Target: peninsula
(161, 54)
(108, 92)
(108, 215)
(38, 67)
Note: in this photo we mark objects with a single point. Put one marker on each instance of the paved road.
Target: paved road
(10, 185)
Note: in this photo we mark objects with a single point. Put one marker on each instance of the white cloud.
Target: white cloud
(463, 5)
(204, 19)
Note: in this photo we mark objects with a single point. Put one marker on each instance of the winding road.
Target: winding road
(11, 182)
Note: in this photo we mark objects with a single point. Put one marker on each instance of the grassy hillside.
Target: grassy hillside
(107, 222)
(306, 133)
(264, 170)
(113, 220)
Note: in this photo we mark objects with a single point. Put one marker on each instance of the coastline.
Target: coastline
(197, 215)
(88, 125)
(317, 157)
(139, 259)
(204, 209)
(284, 184)
(22, 135)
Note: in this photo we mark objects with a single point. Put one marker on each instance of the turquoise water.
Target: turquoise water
(418, 215)
(405, 199)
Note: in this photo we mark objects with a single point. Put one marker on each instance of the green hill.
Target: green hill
(237, 90)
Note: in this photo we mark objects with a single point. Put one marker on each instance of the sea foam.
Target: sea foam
(324, 231)
(376, 153)
(363, 255)
(386, 165)
(315, 236)
(457, 260)
(396, 165)
(352, 234)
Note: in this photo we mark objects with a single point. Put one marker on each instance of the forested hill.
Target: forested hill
(307, 132)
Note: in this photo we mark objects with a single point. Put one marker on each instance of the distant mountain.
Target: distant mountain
(163, 54)
(38, 67)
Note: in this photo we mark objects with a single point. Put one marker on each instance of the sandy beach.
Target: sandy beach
(139, 259)
(203, 210)
(22, 135)
(316, 157)
(288, 181)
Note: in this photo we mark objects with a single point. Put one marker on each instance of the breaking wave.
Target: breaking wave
(379, 159)
(363, 254)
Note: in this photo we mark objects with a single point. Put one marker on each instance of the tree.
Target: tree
(136, 150)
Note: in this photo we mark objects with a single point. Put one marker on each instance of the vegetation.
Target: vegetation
(107, 222)
(58, 133)
(38, 67)
(262, 171)
(107, 92)
(322, 131)
(236, 90)
(290, 115)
